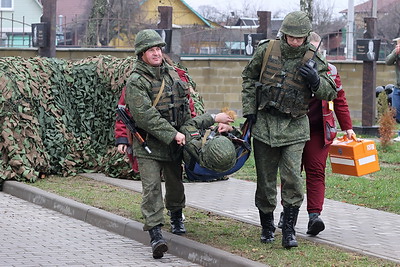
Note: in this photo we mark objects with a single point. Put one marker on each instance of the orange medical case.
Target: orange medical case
(355, 157)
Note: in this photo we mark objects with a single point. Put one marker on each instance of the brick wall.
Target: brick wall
(219, 81)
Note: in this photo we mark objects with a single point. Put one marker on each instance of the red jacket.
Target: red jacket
(325, 120)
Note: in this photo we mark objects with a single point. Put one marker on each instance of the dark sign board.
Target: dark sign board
(251, 41)
(166, 35)
(367, 49)
(39, 34)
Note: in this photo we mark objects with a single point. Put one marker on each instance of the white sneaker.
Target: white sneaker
(397, 139)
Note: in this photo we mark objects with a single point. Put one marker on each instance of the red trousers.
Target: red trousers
(314, 164)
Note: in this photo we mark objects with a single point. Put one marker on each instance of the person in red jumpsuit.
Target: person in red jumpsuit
(315, 153)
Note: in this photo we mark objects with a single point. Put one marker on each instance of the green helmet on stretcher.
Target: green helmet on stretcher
(218, 154)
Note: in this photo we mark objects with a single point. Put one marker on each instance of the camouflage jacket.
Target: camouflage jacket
(194, 129)
(274, 129)
(155, 129)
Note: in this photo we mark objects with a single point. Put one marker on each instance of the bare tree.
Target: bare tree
(109, 19)
(388, 25)
(214, 14)
(307, 6)
(323, 20)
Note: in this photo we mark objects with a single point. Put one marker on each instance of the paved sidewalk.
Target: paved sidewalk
(31, 235)
(356, 228)
(39, 228)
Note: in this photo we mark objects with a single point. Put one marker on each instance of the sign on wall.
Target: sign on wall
(367, 49)
(251, 41)
(39, 34)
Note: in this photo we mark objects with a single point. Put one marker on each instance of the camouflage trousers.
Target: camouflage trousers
(286, 159)
(151, 173)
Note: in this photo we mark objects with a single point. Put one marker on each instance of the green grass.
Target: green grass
(208, 228)
(379, 190)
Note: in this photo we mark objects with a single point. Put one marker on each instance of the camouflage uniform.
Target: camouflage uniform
(166, 154)
(279, 137)
(157, 125)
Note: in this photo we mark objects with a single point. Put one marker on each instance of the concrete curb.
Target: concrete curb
(179, 246)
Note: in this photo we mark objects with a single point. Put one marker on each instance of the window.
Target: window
(6, 4)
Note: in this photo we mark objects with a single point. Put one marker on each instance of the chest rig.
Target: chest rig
(282, 91)
(170, 99)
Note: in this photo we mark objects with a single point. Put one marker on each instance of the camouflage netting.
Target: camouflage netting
(57, 116)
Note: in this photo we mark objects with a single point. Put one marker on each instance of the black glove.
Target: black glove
(310, 73)
(251, 118)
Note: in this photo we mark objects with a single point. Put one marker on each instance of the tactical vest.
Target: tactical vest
(282, 92)
(172, 101)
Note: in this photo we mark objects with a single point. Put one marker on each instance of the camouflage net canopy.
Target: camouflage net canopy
(57, 116)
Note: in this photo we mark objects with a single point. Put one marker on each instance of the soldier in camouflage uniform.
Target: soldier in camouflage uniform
(157, 99)
(278, 83)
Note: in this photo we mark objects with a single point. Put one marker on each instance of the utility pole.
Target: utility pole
(49, 18)
(350, 31)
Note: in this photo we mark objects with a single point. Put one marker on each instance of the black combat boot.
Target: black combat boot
(158, 244)
(315, 225)
(268, 227)
(289, 221)
(177, 226)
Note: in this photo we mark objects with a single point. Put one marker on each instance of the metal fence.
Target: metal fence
(195, 40)
(14, 33)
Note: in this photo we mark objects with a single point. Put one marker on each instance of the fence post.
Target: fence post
(369, 79)
(49, 17)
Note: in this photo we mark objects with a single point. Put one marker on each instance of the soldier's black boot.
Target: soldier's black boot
(289, 221)
(177, 225)
(268, 227)
(158, 244)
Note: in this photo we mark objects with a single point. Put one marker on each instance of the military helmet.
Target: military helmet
(296, 24)
(146, 39)
(218, 154)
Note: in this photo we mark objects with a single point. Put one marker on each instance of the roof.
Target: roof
(247, 22)
(191, 9)
(39, 2)
(383, 6)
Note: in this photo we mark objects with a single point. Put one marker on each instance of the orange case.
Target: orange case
(355, 157)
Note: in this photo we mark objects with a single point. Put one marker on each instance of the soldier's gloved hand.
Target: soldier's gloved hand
(310, 73)
(251, 118)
